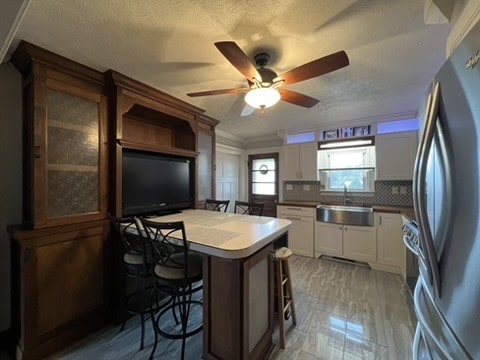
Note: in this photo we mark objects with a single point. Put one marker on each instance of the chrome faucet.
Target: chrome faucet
(346, 199)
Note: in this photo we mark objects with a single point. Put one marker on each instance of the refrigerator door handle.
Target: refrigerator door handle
(426, 238)
(417, 249)
(448, 189)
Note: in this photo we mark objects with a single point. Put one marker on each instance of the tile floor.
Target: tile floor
(347, 312)
(344, 311)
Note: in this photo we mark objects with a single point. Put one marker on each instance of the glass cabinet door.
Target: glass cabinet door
(72, 155)
(69, 178)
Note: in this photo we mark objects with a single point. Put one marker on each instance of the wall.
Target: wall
(311, 191)
(11, 179)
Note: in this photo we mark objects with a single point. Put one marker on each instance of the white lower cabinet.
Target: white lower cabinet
(347, 241)
(300, 236)
(359, 243)
(391, 249)
(328, 239)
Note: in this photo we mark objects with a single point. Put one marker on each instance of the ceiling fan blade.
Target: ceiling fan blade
(247, 110)
(238, 59)
(219, 92)
(315, 68)
(297, 98)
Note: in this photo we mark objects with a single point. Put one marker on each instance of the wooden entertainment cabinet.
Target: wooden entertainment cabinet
(143, 118)
(77, 121)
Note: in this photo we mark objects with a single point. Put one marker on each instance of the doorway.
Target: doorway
(227, 184)
(263, 181)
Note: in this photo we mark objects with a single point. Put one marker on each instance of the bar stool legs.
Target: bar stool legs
(286, 305)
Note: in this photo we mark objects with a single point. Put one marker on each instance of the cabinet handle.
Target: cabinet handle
(346, 229)
(339, 228)
(293, 218)
(36, 152)
(298, 209)
(297, 175)
(301, 175)
(380, 219)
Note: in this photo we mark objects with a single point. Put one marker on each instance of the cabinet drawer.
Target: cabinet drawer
(294, 211)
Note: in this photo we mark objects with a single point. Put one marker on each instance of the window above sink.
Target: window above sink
(351, 169)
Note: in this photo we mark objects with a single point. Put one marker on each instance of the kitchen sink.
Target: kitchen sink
(345, 215)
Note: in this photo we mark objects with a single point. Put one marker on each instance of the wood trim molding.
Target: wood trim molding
(467, 19)
(115, 78)
(27, 53)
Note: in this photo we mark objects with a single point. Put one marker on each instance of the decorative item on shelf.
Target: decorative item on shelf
(361, 130)
(346, 132)
(330, 134)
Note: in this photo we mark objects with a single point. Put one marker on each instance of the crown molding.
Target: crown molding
(229, 136)
(19, 8)
(469, 16)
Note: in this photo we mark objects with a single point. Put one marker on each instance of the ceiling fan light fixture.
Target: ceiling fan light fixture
(261, 98)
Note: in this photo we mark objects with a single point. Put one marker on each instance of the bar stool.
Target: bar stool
(284, 293)
(248, 208)
(216, 205)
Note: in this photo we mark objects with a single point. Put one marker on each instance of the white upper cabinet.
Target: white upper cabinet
(301, 161)
(395, 154)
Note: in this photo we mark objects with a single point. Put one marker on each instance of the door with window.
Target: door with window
(263, 181)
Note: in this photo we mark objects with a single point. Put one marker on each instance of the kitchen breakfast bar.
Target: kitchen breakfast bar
(237, 279)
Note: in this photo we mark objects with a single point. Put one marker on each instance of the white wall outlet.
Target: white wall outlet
(403, 190)
(289, 187)
(306, 187)
(394, 190)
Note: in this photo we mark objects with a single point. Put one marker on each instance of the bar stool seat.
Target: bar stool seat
(283, 291)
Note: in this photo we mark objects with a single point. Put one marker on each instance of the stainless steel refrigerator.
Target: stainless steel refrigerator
(446, 232)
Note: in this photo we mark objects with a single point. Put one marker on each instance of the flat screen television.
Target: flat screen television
(156, 183)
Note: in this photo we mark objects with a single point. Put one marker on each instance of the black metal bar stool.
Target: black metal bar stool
(137, 258)
(248, 208)
(178, 271)
(216, 205)
(283, 291)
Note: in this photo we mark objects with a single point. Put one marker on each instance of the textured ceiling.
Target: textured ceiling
(169, 45)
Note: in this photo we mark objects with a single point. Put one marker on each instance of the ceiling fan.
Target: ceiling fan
(265, 86)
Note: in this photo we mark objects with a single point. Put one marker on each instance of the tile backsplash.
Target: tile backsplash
(391, 193)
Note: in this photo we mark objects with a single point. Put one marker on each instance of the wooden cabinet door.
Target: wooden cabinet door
(391, 250)
(238, 306)
(300, 236)
(301, 162)
(308, 161)
(359, 243)
(328, 239)
(68, 153)
(292, 157)
(64, 277)
(395, 155)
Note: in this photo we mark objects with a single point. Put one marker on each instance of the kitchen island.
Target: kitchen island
(237, 279)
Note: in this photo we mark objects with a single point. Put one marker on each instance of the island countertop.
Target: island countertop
(226, 235)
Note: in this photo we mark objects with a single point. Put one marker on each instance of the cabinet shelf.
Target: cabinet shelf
(158, 149)
(69, 126)
(71, 167)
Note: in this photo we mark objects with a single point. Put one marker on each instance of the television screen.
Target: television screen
(155, 183)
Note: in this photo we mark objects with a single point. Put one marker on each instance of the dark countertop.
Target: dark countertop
(407, 211)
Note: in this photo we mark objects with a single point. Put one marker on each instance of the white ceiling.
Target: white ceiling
(168, 44)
